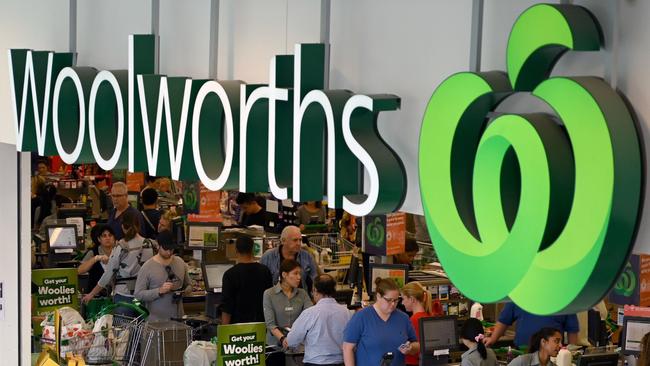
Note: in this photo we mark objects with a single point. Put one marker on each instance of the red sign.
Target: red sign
(209, 206)
(395, 233)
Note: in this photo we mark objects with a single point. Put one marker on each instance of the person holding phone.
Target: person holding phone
(379, 329)
(162, 281)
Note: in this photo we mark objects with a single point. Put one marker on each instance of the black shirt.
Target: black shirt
(258, 218)
(243, 289)
(150, 225)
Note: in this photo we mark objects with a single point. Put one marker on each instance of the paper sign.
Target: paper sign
(241, 344)
(395, 233)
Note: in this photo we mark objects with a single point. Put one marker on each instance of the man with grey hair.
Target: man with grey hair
(120, 198)
(291, 248)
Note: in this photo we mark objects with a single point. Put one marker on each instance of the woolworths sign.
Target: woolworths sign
(290, 137)
(537, 208)
(542, 211)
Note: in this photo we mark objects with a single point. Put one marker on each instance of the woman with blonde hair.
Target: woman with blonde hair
(348, 227)
(417, 300)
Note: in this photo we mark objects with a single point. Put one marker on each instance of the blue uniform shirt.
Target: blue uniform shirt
(374, 337)
(528, 324)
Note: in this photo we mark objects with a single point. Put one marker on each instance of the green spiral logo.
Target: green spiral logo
(626, 282)
(375, 232)
(535, 207)
(189, 197)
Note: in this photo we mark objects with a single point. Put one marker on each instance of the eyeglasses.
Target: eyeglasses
(118, 195)
(392, 301)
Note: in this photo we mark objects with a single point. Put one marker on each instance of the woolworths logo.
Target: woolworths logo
(526, 206)
(289, 137)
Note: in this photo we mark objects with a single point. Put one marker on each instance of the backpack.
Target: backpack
(129, 281)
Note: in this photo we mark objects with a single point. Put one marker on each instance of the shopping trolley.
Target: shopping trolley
(114, 342)
(334, 252)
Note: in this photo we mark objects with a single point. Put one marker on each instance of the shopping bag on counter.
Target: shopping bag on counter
(200, 353)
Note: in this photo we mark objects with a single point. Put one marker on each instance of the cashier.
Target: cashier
(252, 212)
(528, 324)
(410, 251)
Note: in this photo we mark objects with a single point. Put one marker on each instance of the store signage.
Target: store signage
(241, 344)
(55, 288)
(521, 206)
(290, 137)
(384, 234)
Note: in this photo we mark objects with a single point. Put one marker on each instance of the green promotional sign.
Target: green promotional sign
(52, 289)
(538, 208)
(55, 288)
(241, 344)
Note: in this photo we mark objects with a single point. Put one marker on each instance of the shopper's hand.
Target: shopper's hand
(488, 341)
(101, 258)
(87, 297)
(406, 348)
(165, 288)
(285, 345)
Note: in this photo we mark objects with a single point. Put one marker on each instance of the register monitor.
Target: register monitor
(438, 337)
(62, 238)
(213, 275)
(62, 242)
(202, 234)
(634, 328)
(599, 359)
(398, 272)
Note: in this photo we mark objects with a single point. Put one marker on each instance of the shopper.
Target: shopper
(283, 303)
(150, 212)
(348, 227)
(124, 263)
(252, 212)
(544, 344)
(379, 329)
(96, 259)
(527, 324)
(244, 286)
(410, 251)
(472, 335)
(165, 222)
(162, 281)
(120, 198)
(291, 248)
(310, 212)
(418, 301)
(320, 328)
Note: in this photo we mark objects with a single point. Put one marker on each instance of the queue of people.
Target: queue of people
(287, 292)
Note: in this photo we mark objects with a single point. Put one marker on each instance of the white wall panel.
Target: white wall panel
(184, 38)
(498, 18)
(28, 24)
(634, 82)
(103, 29)
(407, 50)
(253, 31)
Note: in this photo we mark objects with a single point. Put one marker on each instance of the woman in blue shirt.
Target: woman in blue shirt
(379, 329)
